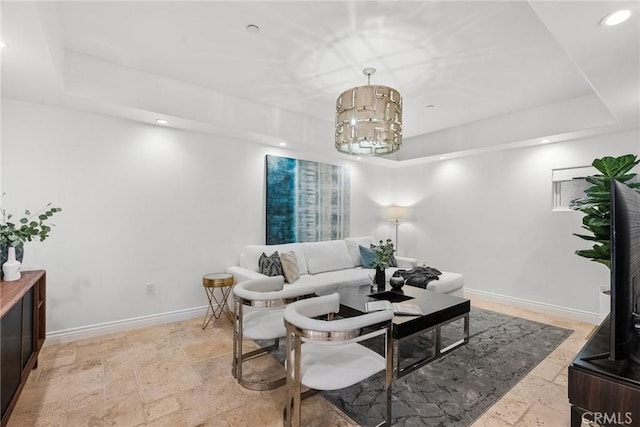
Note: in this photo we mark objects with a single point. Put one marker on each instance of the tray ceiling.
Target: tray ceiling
(474, 75)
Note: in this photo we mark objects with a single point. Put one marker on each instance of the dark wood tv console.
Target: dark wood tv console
(23, 309)
(602, 388)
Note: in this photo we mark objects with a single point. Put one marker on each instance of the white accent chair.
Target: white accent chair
(325, 354)
(259, 315)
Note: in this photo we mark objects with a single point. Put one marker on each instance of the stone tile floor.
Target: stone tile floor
(180, 375)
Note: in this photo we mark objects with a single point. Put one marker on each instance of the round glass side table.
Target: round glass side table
(211, 282)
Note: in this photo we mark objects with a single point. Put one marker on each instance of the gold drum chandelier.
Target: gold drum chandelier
(369, 119)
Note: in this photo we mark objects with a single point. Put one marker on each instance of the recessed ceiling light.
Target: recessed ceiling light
(544, 141)
(442, 157)
(358, 158)
(252, 28)
(282, 144)
(616, 18)
(3, 44)
(162, 122)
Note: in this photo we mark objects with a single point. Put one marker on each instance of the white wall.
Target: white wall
(489, 217)
(151, 204)
(141, 204)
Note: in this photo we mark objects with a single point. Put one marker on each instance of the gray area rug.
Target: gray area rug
(456, 389)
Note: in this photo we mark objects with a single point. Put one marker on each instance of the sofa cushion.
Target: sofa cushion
(353, 244)
(289, 266)
(251, 253)
(270, 265)
(447, 283)
(330, 281)
(327, 256)
(367, 255)
(348, 278)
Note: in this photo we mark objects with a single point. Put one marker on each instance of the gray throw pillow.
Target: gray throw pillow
(270, 265)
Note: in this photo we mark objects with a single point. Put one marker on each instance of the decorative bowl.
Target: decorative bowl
(396, 282)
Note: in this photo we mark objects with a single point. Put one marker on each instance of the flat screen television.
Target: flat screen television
(625, 272)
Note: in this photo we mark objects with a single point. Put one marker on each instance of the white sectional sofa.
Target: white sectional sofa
(334, 264)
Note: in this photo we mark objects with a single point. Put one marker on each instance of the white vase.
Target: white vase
(11, 268)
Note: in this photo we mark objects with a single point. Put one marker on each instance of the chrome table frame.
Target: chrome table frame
(440, 310)
(399, 372)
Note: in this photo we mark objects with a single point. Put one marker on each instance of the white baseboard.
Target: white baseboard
(570, 313)
(91, 331)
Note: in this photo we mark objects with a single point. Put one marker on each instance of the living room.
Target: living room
(145, 203)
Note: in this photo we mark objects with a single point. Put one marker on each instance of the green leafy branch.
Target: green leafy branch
(30, 227)
(383, 253)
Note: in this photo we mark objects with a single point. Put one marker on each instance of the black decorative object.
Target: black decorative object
(380, 278)
(391, 296)
(419, 276)
(396, 282)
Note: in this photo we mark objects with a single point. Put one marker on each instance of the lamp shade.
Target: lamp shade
(397, 213)
(369, 120)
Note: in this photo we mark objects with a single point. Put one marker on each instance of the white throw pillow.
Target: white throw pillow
(289, 263)
(327, 256)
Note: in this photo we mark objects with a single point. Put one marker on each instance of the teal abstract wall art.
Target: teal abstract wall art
(306, 201)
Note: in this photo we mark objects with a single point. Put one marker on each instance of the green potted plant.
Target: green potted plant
(30, 227)
(383, 253)
(596, 205)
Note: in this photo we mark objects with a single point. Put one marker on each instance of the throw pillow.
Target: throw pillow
(270, 265)
(367, 255)
(290, 266)
(392, 259)
(393, 262)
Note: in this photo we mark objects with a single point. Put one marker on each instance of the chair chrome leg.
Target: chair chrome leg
(389, 353)
(259, 385)
(239, 357)
(236, 369)
(286, 421)
(294, 384)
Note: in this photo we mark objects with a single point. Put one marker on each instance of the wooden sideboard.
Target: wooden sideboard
(23, 306)
(603, 388)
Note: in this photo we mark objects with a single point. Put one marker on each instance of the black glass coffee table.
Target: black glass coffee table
(423, 331)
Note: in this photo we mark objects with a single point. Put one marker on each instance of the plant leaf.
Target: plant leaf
(615, 166)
